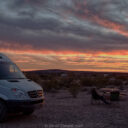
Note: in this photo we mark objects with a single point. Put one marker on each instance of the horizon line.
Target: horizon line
(32, 70)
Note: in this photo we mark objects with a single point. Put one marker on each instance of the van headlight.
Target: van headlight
(18, 93)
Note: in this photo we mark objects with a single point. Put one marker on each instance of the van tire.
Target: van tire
(3, 111)
(28, 112)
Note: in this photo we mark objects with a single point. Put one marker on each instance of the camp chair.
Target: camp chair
(96, 97)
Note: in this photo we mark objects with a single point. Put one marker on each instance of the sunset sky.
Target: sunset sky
(89, 35)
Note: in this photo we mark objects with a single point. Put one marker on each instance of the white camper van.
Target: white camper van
(17, 93)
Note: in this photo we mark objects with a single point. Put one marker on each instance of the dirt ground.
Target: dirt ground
(62, 111)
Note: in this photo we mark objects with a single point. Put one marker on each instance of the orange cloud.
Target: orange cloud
(111, 25)
(98, 61)
(28, 49)
(87, 14)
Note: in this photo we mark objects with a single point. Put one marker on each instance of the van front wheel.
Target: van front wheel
(3, 111)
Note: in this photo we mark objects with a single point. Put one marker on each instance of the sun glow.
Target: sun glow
(90, 61)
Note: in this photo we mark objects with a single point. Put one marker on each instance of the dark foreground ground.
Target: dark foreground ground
(62, 111)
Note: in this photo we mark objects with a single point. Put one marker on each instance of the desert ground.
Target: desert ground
(60, 110)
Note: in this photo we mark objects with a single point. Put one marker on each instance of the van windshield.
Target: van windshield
(10, 71)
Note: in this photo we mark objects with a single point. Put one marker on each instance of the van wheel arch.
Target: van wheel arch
(3, 111)
(2, 100)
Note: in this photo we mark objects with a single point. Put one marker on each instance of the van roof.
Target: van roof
(4, 58)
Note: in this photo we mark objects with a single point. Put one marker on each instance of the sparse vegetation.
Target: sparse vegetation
(74, 82)
(74, 88)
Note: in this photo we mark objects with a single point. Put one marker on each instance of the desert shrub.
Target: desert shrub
(65, 82)
(50, 85)
(94, 81)
(55, 84)
(87, 82)
(118, 82)
(74, 89)
(121, 77)
(34, 77)
(47, 86)
(101, 82)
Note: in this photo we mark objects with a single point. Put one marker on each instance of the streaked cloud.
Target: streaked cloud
(65, 27)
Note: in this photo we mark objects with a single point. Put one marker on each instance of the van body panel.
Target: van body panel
(5, 93)
(23, 84)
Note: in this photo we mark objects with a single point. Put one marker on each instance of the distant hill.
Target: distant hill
(52, 71)
(48, 71)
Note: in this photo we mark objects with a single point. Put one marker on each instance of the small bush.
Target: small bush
(74, 89)
(50, 85)
(34, 77)
(47, 86)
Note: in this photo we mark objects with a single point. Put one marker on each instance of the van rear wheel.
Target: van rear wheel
(3, 111)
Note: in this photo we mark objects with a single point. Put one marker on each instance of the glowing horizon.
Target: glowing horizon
(115, 61)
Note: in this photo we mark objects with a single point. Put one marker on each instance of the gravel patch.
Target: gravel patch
(62, 111)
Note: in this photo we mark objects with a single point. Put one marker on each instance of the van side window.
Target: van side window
(12, 68)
